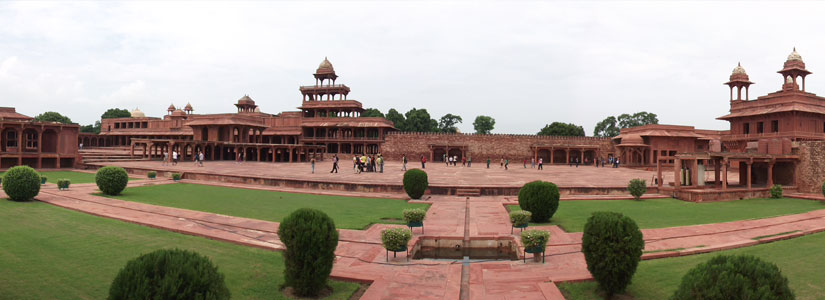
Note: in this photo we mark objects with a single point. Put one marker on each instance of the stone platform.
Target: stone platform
(444, 180)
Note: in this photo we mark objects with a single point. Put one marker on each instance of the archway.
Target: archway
(438, 154)
(589, 156)
(455, 152)
(544, 155)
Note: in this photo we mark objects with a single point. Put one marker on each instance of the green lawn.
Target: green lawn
(348, 212)
(659, 213)
(47, 252)
(75, 177)
(801, 260)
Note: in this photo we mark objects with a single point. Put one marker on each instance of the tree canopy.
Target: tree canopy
(116, 113)
(562, 129)
(51, 116)
(484, 124)
(372, 112)
(91, 128)
(448, 122)
(610, 126)
(418, 120)
(396, 118)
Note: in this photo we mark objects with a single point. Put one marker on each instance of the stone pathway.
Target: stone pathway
(360, 256)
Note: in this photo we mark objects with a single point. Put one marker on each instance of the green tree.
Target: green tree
(562, 129)
(396, 118)
(638, 119)
(418, 120)
(606, 128)
(372, 112)
(51, 116)
(91, 128)
(448, 122)
(484, 124)
(116, 113)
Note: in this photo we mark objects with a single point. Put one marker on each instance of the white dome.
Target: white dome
(794, 55)
(739, 70)
(138, 114)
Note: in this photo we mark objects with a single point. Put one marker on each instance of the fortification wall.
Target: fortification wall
(810, 171)
(481, 146)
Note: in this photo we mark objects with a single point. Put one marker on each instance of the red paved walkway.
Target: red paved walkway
(361, 257)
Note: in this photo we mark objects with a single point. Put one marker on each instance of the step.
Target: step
(468, 192)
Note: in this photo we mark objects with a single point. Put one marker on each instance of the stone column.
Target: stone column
(770, 173)
(567, 155)
(716, 173)
(749, 163)
(677, 168)
(659, 172)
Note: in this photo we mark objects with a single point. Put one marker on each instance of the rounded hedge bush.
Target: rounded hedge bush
(111, 180)
(612, 244)
(169, 274)
(734, 277)
(520, 218)
(540, 198)
(415, 183)
(310, 239)
(776, 191)
(637, 188)
(414, 215)
(21, 183)
(395, 239)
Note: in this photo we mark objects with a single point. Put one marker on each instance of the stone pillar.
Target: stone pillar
(290, 154)
(551, 155)
(677, 168)
(659, 172)
(770, 173)
(716, 173)
(581, 153)
(567, 155)
(749, 163)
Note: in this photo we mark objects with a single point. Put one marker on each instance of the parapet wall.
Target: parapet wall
(481, 146)
(810, 171)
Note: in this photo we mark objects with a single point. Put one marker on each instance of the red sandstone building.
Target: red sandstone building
(327, 122)
(36, 144)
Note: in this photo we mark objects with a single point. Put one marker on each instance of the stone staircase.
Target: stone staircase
(468, 192)
(112, 154)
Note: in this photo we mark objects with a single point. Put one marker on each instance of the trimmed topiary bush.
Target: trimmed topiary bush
(776, 191)
(176, 176)
(43, 179)
(540, 198)
(63, 184)
(734, 277)
(414, 215)
(520, 218)
(152, 174)
(395, 239)
(612, 244)
(169, 274)
(534, 239)
(415, 183)
(637, 188)
(111, 180)
(310, 239)
(21, 183)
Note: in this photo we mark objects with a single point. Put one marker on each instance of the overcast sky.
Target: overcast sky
(526, 64)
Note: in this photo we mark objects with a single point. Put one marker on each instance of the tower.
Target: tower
(170, 109)
(793, 69)
(739, 79)
(246, 105)
(325, 72)
(188, 109)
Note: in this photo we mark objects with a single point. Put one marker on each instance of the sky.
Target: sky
(526, 64)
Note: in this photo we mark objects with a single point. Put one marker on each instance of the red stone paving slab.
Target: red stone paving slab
(360, 256)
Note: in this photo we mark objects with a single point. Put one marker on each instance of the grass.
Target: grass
(800, 259)
(347, 212)
(660, 213)
(75, 177)
(49, 252)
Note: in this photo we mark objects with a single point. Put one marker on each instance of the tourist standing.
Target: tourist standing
(312, 162)
(175, 158)
(488, 162)
(381, 163)
(501, 164)
(81, 146)
(446, 160)
(449, 161)
(404, 162)
(200, 158)
(423, 162)
(165, 158)
(577, 162)
(525, 163)
(506, 163)
(195, 159)
(334, 163)
(532, 162)
(469, 161)
(541, 163)
(463, 161)
(354, 162)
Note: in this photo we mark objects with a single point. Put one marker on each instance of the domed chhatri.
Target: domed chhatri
(246, 104)
(188, 107)
(246, 100)
(171, 108)
(794, 56)
(325, 67)
(739, 70)
(137, 113)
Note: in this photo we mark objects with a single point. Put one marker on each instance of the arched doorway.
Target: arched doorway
(544, 155)
(559, 157)
(438, 154)
(456, 153)
(589, 156)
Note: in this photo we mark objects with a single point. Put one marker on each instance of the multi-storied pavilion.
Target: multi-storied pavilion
(24, 141)
(327, 123)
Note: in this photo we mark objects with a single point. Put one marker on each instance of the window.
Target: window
(759, 127)
(746, 128)
(11, 139)
(31, 140)
(117, 125)
(775, 126)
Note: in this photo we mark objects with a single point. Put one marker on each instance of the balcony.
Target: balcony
(765, 135)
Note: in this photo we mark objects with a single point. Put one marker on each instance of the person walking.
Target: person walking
(423, 162)
(200, 159)
(506, 164)
(469, 161)
(447, 159)
(532, 162)
(175, 158)
(404, 162)
(463, 161)
(354, 162)
(165, 158)
(541, 163)
(488, 162)
(334, 164)
(577, 162)
(525, 163)
(381, 163)
(312, 162)
(195, 159)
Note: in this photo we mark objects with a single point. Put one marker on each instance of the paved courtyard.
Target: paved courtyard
(438, 173)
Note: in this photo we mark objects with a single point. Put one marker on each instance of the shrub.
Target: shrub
(395, 238)
(111, 180)
(612, 244)
(534, 238)
(175, 176)
(152, 174)
(169, 274)
(415, 183)
(776, 191)
(21, 183)
(43, 179)
(540, 198)
(734, 277)
(823, 189)
(414, 215)
(310, 239)
(520, 218)
(63, 184)
(637, 188)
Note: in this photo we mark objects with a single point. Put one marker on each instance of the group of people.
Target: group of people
(366, 163)
(453, 160)
(198, 158)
